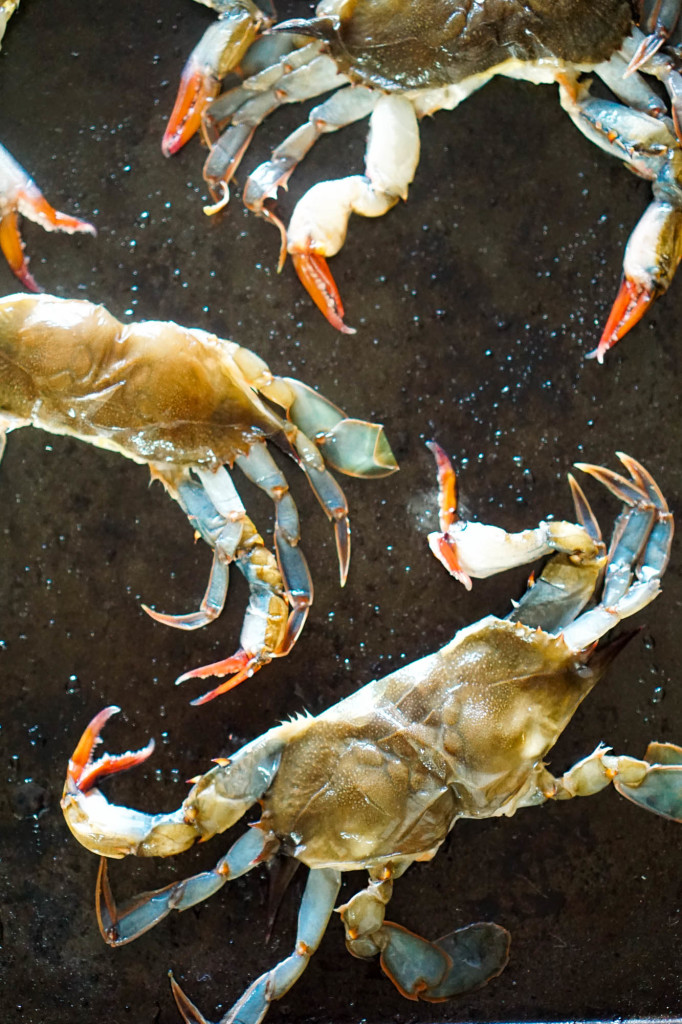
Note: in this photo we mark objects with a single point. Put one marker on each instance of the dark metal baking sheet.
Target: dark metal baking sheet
(476, 303)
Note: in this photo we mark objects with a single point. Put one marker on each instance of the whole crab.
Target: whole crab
(19, 194)
(185, 403)
(377, 781)
(397, 61)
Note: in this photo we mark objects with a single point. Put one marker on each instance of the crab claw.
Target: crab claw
(83, 772)
(20, 194)
(316, 277)
(220, 49)
(632, 302)
(651, 258)
(442, 545)
(238, 667)
(110, 830)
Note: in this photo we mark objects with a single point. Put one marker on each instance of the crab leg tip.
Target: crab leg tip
(632, 302)
(196, 91)
(316, 277)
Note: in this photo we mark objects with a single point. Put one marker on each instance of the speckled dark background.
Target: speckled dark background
(475, 305)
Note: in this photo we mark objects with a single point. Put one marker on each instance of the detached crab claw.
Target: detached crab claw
(19, 194)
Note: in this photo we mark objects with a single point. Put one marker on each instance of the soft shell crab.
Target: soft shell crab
(377, 781)
(185, 403)
(397, 61)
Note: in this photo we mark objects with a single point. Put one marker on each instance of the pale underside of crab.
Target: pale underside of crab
(396, 61)
(377, 781)
(189, 404)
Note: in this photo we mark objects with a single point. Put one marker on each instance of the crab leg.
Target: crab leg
(650, 149)
(326, 490)
(320, 218)
(119, 925)
(654, 783)
(20, 194)
(220, 49)
(313, 78)
(355, 447)
(469, 549)
(343, 108)
(222, 530)
(633, 89)
(659, 25)
(317, 906)
(269, 631)
(220, 113)
(642, 545)
(459, 962)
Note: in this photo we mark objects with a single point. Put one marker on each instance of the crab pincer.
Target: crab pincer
(19, 194)
(220, 49)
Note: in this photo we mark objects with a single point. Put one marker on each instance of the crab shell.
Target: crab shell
(417, 44)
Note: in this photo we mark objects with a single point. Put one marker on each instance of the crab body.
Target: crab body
(377, 781)
(187, 403)
(417, 45)
(396, 61)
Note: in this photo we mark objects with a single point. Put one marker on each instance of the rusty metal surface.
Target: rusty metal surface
(475, 303)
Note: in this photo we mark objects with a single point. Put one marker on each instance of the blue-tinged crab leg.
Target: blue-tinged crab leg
(654, 783)
(355, 447)
(19, 194)
(632, 90)
(219, 115)
(230, 122)
(215, 511)
(459, 962)
(462, 961)
(662, 66)
(660, 790)
(643, 534)
(220, 49)
(119, 925)
(343, 108)
(659, 25)
(649, 147)
(312, 79)
(316, 909)
(221, 529)
(643, 539)
(261, 469)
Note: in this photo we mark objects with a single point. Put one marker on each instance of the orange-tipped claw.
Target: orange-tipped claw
(447, 486)
(631, 304)
(198, 88)
(19, 194)
(13, 250)
(315, 276)
(240, 666)
(85, 773)
(446, 553)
